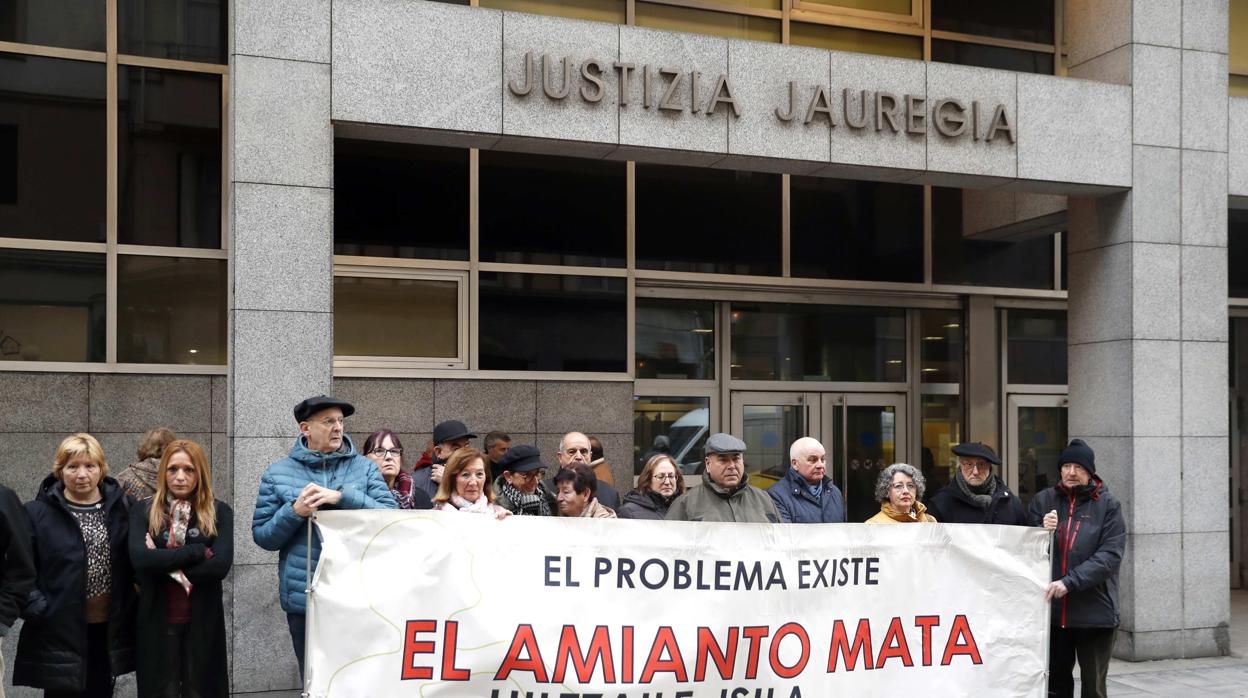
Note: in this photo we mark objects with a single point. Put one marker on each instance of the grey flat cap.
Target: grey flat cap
(723, 443)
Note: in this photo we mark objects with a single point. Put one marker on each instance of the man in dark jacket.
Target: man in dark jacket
(575, 447)
(1091, 535)
(448, 437)
(806, 494)
(17, 567)
(977, 494)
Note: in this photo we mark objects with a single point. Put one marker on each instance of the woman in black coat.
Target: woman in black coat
(79, 629)
(658, 485)
(182, 546)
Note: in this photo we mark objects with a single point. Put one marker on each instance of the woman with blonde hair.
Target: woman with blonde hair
(79, 629)
(465, 486)
(182, 546)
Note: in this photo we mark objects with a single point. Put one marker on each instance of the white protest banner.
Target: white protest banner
(432, 604)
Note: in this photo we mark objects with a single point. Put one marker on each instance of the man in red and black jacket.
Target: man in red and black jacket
(1090, 537)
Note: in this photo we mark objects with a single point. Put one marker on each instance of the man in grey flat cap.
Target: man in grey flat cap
(726, 493)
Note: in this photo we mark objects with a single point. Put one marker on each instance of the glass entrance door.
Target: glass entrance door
(1036, 434)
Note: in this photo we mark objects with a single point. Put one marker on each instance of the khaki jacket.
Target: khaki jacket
(595, 510)
(711, 502)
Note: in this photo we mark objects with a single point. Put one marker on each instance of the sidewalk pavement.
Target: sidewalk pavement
(1186, 678)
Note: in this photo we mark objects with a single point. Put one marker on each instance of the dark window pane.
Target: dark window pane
(548, 322)
(942, 429)
(675, 339)
(56, 108)
(940, 346)
(169, 158)
(708, 220)
(65, 23)
(541, 209)
(398, 200)
(958, 260)
(999, 57)
(396, 317)
(1037, 346)
(845, 229)
(1237, 252)
(51, 306)
(171, 310)
(685, 421)
(1021, 20)
(818, 342)
(187, 30)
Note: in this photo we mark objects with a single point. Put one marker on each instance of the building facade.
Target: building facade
(894, 225)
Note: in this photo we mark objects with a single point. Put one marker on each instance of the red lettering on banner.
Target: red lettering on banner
(894, 645)
(841, 646)
(449, 671)
(664, 641)
(626, 664)
(779, 669)
(599, 650)
(723, 659)
(961, 641)
(927, 623)
(523, 640)
(411, 648)
(755, 634)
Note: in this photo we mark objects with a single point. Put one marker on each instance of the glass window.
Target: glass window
(1041, 438)
(941, 430)
(708, 220)
(896, 7)
(845, 229)
(399, 200)
(1239, 86)
(1237, 252)
(396, 317)
(1020, 20)
(185, 30)
(856, 40)
(940, 346)
(726, 24)
(818, 342)
(1037, 346)
(596, 10)
(171, 310)
(959, 260)
(65, 23)
(550, 322)
(169, 158)
(675, 339)
(540, 209)
(998, 57)
(53, 110)
(52, 306)
(684, 422)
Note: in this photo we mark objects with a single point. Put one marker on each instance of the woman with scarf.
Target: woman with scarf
(384, 449)
(898, 489)
(659, 484)
(465, 486)
(518, 489)
(182, 546)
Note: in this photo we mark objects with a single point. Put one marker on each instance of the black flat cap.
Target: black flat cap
(451, 430)
(312, 405)
(975, 449)
(723, 443)
(521, 458)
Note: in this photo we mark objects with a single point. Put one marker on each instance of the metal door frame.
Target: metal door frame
(1013, 402)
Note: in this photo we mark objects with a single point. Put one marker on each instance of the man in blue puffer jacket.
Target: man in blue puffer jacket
(323, 471)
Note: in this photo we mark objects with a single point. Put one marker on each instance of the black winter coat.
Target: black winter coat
(642, 506)
(205, 636)
(17, 566)
(952, 505)
(52, 649)
(1087, 551)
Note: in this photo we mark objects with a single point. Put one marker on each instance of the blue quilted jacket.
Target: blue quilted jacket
(276, 526)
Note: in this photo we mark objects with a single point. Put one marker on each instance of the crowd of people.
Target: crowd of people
(113, 575)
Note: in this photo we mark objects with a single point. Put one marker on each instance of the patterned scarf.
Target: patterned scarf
(481, 506)
(526, 504)
(179, 522)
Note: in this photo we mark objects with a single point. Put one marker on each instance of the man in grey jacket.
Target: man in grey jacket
(726, 493)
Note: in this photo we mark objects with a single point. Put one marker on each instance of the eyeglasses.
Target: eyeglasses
(383, 452)
(530, 475)
(664, 476)
(904, 486)
(973, 465)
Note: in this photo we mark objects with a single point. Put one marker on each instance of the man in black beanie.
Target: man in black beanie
(977, 494)
(1091, 536)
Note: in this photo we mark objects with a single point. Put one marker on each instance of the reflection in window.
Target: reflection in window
(185, 30)
(846, 229)
(1237, 252)
(896, 7)
(708, 220)
(1041, 437)
(817, 342)
(998, 57)
(398, 200)
(53, 110)
(595, 10)
(677, 426)
(941, 431)
(550, 322)
(1020, 20)
(52, 306)
(675, 339)
(726, 24)
(396, 317)
(169, 158)
(541, 209)
(64, 23)
(940, 346)
(1037, 346)
(171, 310)
(768, 431)
(959, 260)
(855, 40)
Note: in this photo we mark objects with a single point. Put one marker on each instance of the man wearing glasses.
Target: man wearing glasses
(517, 489)
(977, 494)
(574, 447)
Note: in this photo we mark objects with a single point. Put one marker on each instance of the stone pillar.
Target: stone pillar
(1148, 318)
(281, 300)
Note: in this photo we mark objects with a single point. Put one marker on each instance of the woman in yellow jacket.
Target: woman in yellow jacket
(899, 489)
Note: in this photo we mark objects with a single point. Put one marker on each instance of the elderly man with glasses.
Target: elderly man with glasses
(977, 494)
(517, 488)
(574, 447)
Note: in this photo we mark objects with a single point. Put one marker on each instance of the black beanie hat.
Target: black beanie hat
(1078, 452)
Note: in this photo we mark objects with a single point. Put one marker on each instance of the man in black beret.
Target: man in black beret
(517, 488)
(976, 494)
(448, 437)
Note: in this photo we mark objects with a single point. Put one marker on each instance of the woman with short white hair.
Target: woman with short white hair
(898, 489)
